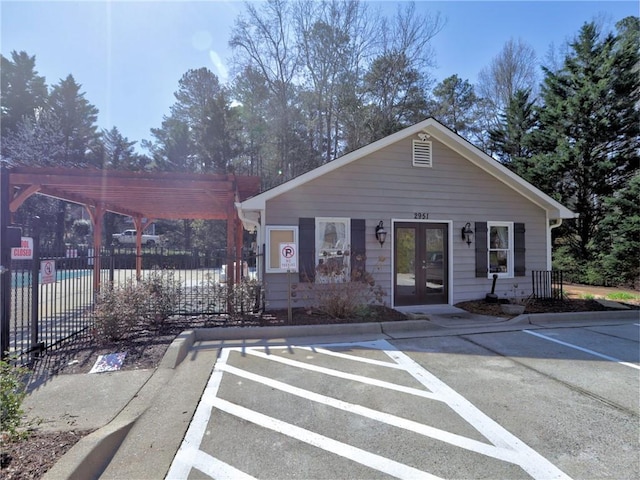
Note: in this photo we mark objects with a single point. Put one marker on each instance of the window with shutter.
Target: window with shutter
(500, 249)
(422, 153)
(331, 247)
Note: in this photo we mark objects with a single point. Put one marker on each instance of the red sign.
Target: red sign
(24, 251)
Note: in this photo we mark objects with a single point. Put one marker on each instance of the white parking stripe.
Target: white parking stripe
(355, 358)
(582, 349)
(393, 420)
(189, 449)
(506, 447)
(355, 454)
(346, 376)
(217, 469)
(528, 459)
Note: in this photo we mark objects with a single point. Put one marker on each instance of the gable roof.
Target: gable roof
(440, 133)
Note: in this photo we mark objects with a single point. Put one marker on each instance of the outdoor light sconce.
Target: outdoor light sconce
(467, 234)
(381, 233)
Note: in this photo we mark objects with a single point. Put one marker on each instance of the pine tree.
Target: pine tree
(511, 138)
(23, 91)
(589, 131)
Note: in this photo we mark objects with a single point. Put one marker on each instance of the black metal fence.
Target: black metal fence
(52, 297)
(547, 284)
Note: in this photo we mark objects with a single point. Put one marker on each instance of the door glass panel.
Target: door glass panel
(405, 261)
(434, 260)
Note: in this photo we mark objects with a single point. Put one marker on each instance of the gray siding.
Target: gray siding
(385, 186)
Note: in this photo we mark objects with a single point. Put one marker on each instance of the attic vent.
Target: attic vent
(421, 153)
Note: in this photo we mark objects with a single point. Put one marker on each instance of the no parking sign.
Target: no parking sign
(289, 257)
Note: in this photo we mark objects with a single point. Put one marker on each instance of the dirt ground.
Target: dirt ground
(145, 346)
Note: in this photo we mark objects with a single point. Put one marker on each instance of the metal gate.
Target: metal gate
(52, 297)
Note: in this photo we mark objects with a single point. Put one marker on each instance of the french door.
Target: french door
(420, 259)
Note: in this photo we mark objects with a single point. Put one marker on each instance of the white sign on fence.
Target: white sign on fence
(48, 271)
(288, 257)
(24, 251)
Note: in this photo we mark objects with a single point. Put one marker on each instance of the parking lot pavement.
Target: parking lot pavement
(509, 405)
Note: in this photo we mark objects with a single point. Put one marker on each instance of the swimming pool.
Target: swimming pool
(22, 278)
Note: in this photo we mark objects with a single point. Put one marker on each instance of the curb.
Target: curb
(549, 319)
(239, 333)
(88, 458)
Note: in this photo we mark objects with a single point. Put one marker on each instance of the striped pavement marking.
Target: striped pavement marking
(504, 446)
(582, 349)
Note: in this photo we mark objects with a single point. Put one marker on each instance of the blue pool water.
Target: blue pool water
(23, 278)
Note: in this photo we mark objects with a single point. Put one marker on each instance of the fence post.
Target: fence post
(5, 263)
(112, 262)
(36, 346)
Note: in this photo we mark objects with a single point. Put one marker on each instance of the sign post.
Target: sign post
(289, 262)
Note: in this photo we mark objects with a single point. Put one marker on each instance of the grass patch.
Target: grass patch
(587, 296)
(623, 296)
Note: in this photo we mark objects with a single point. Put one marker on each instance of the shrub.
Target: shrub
(12, 393)
(243, 297)
(162, 292)
(118, 309)
(343, 299)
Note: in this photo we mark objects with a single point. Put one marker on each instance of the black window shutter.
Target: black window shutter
(306, 249)
(519, 264)
(358, 249)
(482, 266)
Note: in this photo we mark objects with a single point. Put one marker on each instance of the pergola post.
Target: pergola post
(96, 213)
(240, 260)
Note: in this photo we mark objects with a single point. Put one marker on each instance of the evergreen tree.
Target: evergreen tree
(36, 141)
(394, 95)
(455, 104)
(172, 150)
(118, 153)
(23, 92)
(618, 240)
(77, 119)
(204, 106)
(250, 90)
(510, 140)
(589, 132)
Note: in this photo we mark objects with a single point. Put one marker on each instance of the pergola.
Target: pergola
(143, 196)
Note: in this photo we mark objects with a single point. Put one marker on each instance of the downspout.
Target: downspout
(555, 223)
(248, 222)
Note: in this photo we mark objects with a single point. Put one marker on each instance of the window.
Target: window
(333, 245)
(276, 236)
(500, 237)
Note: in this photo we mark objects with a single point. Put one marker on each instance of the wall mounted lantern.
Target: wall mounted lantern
(467, 234)
(381, 233)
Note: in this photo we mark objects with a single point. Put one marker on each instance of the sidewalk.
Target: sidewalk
(141, 416)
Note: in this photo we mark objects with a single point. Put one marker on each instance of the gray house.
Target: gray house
(428, 215)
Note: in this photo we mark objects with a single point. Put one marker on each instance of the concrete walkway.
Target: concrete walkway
(140, 417)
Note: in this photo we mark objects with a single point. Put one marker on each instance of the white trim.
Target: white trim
(332, 252)
(267, 249)
(511, 249)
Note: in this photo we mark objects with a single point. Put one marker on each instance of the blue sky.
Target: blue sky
(129, 55)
